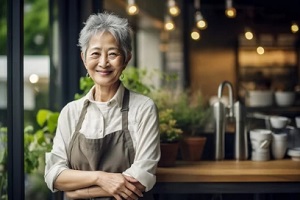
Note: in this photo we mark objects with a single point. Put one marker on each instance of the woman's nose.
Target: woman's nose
(103, 61)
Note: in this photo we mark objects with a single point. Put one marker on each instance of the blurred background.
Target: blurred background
(253, 44)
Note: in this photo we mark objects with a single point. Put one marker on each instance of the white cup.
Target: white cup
(279, 145)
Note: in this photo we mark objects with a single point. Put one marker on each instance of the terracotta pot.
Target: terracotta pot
(169, 153)
(192, 148)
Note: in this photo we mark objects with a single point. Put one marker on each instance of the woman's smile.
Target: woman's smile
(104, 72)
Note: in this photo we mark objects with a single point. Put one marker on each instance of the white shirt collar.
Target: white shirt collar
(118, 97)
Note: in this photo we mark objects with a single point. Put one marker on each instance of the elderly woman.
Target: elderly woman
(107, 143)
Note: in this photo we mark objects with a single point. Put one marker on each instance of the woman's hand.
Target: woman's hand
(119, 187)
(135, 182)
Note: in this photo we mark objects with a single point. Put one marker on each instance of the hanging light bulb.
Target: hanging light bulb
(195, 34)
(248, 34)
(132, 8)
(169, 24)
(294, 27)
(260, 50)
(230, 10)
(200, 21)
(173, 8)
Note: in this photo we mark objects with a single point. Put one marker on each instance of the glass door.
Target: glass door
(3, 101)
(24, 76)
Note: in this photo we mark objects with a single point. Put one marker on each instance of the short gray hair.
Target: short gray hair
(106, 22)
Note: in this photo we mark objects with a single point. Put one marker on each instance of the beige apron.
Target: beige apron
(113, 153)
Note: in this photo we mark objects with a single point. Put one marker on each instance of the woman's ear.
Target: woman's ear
(82, 58)
(127, 60)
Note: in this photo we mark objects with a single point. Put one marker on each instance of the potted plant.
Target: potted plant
(191, 115)
(170, 136)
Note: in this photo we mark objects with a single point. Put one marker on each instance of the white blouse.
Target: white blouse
(103, 118)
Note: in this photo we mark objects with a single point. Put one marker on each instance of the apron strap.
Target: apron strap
(125, 109)
(78, 126)
(82, 115)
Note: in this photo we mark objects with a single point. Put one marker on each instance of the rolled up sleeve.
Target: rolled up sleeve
(56, 160)
(147, 147)
(54, 166)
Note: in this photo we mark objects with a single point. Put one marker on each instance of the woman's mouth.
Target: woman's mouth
(104, 72)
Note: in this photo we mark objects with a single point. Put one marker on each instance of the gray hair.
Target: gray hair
(106, 22)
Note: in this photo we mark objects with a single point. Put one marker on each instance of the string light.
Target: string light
(248, 34)
(132, 8)
(195, 34)
(200, 21)
(230, 10)
(169, 24)
(294, 27)
(173, 8)
(260, 50)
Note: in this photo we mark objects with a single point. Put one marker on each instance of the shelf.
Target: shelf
(291, 111)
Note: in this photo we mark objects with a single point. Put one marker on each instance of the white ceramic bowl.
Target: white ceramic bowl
(279, 122)
(260, 98)
(285, 98)
(294, 153)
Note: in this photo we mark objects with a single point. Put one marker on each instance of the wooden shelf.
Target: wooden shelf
(261, 177)
(285, 170)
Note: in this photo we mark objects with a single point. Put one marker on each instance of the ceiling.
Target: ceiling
(267, 10)
(260, 11)
(263, 13)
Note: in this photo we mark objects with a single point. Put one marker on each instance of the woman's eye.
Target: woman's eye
(95, 54)
(112, 55)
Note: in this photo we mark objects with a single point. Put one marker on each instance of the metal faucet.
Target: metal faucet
(230, 89)
(233, 112)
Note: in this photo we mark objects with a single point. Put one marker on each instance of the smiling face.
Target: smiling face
(104, 60)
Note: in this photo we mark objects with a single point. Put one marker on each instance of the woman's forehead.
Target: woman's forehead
(103, 40)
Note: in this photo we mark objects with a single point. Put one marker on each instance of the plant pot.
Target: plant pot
(169, 153)
(192, 148)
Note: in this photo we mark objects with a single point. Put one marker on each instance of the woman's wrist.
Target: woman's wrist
(99, 178)
(96, 177)
(88, 192)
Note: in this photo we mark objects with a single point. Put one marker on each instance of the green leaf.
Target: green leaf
(40, 137)
(29, 129)
(52, 122)
(28, 138)
(42, 116)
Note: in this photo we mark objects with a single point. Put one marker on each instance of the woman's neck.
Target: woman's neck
(104, 94)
